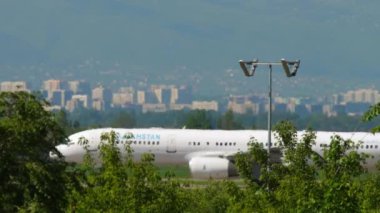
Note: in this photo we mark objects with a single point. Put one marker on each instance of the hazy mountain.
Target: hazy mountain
(197, 42)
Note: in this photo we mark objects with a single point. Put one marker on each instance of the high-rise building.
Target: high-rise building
(54, 84)
(371, 96)
(77, 101)
(151, 98)
(14, 86)
(166, 94)
(122, 99)
(244, 104)
(101, 98)
(280, 107)
(140, 97)
(80, 87)
(163, 93)
(184, 95)
(302, 109)
(60, 97)
(205, 105)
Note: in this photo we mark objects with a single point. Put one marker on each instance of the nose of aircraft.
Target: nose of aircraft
(62, 148)
(53, 155)
(71, 153)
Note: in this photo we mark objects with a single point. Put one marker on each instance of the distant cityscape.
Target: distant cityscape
(72, 95)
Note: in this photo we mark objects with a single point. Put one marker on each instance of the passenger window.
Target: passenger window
(230, 144)
(234, 143)
(158, 142)
(208, 143)
(217, 143)
(153, 142)
(199, 143)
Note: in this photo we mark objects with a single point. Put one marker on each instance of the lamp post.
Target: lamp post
(290, 68)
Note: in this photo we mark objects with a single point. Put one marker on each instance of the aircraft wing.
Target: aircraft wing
(210, 154)
(212, 164)
(220, 164)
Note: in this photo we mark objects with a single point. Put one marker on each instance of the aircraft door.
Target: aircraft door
(171, 145)
(93, 142)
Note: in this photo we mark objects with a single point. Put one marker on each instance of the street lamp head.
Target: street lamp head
(248, 67)
(290, 72)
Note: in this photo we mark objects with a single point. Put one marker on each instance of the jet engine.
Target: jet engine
(212, 167)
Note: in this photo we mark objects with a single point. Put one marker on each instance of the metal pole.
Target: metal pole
(270, 111)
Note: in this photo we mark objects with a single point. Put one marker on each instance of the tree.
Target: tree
(198, 119)
(369, 188)
(63, 120)
(28, 176)
(372, 113)
(369, 193)
(216, 196)
(306, 181)
(124, 120)
(122, 185)
(227, 121)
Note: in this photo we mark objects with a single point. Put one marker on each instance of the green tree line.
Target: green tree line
(201, 119)
(32, 181)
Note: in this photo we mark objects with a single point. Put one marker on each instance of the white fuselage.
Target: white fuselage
(180, 146)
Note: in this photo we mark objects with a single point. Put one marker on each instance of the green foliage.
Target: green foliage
(198, 119)
(28, 176)
(371, 114)
(93, 118)
(306, 181)
(117, 117)
(122, 185)
(254, 199)
(227, 121)
(212, 196)
(124, 120)
(369, 193)
(63, 120)
(253, 162)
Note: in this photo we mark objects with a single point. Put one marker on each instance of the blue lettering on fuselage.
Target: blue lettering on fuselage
(146, 136)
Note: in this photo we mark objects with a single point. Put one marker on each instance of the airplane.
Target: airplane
(209, 153)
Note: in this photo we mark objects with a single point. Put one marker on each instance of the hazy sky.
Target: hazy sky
(335, 39)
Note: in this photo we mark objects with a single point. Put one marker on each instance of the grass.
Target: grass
(183, 176)
(179, 171)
